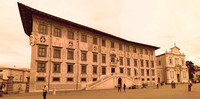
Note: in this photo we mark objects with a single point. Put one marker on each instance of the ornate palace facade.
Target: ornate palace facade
(69, 56)
(171, 67)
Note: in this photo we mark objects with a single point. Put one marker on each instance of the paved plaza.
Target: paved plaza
(163, 92)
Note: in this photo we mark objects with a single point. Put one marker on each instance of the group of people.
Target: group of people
(173, 85)
(119, 87)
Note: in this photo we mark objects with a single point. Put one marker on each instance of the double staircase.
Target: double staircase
(110, 81)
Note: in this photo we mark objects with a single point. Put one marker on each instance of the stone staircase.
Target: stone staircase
(109, 81)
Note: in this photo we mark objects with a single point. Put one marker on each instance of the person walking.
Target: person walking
(119, 88)
(45, 89)
(189, 85)
(172, 84)
(124, 87)
(157, 85)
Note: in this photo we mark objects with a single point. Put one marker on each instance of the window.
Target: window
(121, 60)
(41, 67)
(182, 62)
(151, 52)
(83, 69)
(153, 72)
(42, 79)
(121, 70)
(94, 79)
(94, 69)
(112, 59)
(56, 79)
(42, 51)
(142, 72)
(127, 48)
(104, 43)
(120, 47)
(94, 40)
(135, 71)
(21, 77)
(148, 79)
(70, 35)
(112, 70)
(159, 63)
(70, 68)
(142, 64)
(128, 71)
(141, 51)
(94, 57)
(103, 70)
(70, 54)
(57, 52)
(70, 79)
(112, 45)
(83, 38)
(170, 61)
(147, 63)
(152, 64)
(135, 62)
(83, 79)
(142, 79)
(57, 32)
(56, 68)
(103, 58)
(153, 79)
(134, 50)
(43, 29)
(83, 56)
(147, 72)
(146, 51)
(177, 61)
(128, 61)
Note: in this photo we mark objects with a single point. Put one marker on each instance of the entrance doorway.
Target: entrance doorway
(158, 79)
(178, 78)
(112, 70)
(120, 81)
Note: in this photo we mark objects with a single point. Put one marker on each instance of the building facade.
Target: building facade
(70, 56)
(171, 67)
(19, 74)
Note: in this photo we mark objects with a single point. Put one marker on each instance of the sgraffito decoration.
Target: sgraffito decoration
(32, 40)
(42, 39)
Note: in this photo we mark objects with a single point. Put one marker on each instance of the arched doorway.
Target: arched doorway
(158, 79)
(120, 81)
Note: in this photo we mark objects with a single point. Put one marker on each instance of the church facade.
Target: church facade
(69, 56)
(171, 66)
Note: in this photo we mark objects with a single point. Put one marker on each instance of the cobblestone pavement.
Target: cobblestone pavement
(163, 92)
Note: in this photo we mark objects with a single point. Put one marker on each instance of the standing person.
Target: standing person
(119, 87)
(124, 87)
(172, 84)
(45, 89)
(157, 85)
(189, 85)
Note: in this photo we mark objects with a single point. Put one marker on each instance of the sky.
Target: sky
(160, 23)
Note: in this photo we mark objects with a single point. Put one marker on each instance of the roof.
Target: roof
(26, 17)
(19, 69)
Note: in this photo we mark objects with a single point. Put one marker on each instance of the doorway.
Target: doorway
(178, 78)
(120, 81)
(158, 79)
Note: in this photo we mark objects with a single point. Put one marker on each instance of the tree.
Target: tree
(190, 66)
